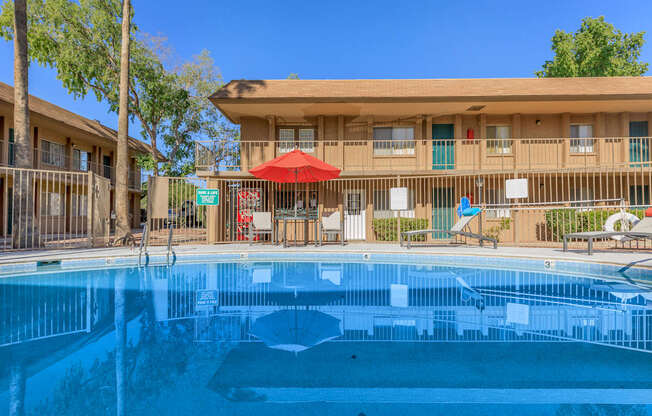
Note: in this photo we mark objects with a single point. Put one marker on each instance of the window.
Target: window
(497, 204)
(389, 141)
(582, 197)
(499, 140)
(354, 203)
(639, 195)
(581, 141)
(285, 140)
(80, 160)
(382, 207)
(52, 153)
(290, 138)
(51, 204)
(307, 140)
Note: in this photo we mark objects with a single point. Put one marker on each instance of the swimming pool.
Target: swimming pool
(372, 336)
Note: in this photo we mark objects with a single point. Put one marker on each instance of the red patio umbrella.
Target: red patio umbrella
(295, 167)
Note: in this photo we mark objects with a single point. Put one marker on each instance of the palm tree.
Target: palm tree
(24, 229)
(123, 230)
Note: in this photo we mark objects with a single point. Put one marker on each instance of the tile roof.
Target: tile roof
(389, 90)
(54, 112)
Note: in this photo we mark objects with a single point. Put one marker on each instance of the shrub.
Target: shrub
(565, 221)
(385, 228)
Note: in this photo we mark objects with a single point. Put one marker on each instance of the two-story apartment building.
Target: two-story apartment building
(580, 142)
(63, 142)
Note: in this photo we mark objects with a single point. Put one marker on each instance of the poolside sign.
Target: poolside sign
(208, 197)
(207, 298)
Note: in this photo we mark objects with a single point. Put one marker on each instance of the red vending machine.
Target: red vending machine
(249, 201)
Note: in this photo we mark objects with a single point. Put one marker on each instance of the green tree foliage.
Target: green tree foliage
(596, 49)
(200, 78)
(81, 40)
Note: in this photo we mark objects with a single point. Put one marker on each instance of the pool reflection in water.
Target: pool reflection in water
(239, 338)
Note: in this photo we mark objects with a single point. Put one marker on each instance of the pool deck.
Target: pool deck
(620, 257)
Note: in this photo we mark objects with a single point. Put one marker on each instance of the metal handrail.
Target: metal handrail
(167, 259)
(143, 243)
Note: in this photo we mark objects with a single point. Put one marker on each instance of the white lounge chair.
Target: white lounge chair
(457, 229)
(331, 224)
(640, 231)
(261, 223)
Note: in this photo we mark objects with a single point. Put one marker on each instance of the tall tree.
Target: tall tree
(123, 228)
(596, 49)
(24, 231)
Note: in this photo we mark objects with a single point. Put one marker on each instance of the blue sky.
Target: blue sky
(356, 39)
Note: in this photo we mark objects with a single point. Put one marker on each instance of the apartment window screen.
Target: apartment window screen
(581, 138)
(52, 153)
(389, 141)
(285, 140)
(290, 138)
(382, 206)
(499, 140)
(80, 160)
(307, 140)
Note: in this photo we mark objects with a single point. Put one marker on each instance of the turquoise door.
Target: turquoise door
(639, 144)
(443, 211)
(443, 146)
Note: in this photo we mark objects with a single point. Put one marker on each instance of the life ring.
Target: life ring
(620, 217)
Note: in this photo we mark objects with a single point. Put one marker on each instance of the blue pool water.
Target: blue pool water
(326, 338)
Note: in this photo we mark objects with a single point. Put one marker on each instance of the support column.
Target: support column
(319, 148)
(68, 154)
(565, 134)
(458, 136)
(428, 147)
(517, 144)
(599, 132)
(482, 151)
(370, 143)
(270, 153)
(624, 134)
(419, 145)
(340, 140)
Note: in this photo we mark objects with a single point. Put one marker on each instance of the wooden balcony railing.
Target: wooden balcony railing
(442, 155)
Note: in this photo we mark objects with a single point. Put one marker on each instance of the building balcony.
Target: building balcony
(442, 156)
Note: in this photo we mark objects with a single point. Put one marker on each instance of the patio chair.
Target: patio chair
(330, 225)
(261, 223)
(457, 229)
(640, 231)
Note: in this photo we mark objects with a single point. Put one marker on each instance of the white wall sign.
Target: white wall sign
(516, 188)
(398, 199)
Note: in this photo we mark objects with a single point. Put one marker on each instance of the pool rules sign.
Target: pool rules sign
(210, 197)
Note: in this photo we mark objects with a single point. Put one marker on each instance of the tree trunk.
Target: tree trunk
(152, 141)
(25, 233)
(122, 155)
(120, 340)
(17, 390)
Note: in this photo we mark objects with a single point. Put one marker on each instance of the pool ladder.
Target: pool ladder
(143, 244)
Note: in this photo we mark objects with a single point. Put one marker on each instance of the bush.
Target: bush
(565, 221)
(385, 228)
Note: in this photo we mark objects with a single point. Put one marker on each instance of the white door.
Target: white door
(354, 214)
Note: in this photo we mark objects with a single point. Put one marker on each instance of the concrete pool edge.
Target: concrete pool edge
(638, 265)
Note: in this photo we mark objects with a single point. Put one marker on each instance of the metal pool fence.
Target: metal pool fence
(558, 203)
(52, 209)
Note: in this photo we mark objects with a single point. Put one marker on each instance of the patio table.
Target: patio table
(301, 216)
